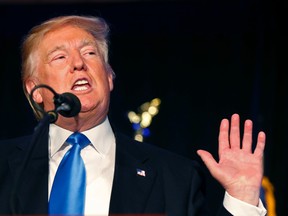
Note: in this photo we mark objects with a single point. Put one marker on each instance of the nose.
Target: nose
(78, 63)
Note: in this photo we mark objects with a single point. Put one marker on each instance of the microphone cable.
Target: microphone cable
(53, 114)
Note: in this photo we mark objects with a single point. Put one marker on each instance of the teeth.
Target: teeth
(81, 82)
(80, 88)
(81, 85)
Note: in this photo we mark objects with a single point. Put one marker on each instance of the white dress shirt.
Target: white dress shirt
(239, 208)
(99, 160)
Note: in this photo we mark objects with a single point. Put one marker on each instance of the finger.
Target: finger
(208, 160)
(223, 138)
(259, 150)
(247, 136)
(235, 131)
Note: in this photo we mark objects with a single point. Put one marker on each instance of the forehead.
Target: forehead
(66, 34)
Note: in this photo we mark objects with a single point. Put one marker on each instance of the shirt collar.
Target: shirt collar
(101, 137)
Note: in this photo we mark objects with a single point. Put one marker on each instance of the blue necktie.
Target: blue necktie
(68, 191)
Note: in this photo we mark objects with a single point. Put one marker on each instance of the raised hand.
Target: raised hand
(240, 169)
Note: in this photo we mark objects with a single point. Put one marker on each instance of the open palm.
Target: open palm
(239, 170)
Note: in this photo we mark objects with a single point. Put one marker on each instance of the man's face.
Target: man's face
(67, 59)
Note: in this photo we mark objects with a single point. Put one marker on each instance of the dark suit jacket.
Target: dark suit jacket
(172, 184)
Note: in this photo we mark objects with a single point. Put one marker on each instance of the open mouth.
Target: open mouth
(81, 85)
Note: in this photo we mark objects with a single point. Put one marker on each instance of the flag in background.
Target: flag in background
(267, 196)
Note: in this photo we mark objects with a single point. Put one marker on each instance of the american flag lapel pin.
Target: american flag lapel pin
(141, 172)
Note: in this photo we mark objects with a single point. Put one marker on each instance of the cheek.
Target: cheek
(61, 65)
(57, 81)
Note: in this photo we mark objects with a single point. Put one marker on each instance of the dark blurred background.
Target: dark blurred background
(204, 59)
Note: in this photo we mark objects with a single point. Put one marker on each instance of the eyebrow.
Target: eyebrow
(62, 47)
(88, 42)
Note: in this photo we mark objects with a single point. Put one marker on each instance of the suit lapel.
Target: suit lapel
(31, 181)
(133, 178)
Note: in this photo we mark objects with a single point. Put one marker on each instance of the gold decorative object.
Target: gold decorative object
(143, 119)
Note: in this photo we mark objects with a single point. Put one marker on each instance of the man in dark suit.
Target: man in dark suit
(123, 176)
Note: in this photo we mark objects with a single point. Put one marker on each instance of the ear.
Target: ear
(110, 76)
(110, 79)
(29, 85)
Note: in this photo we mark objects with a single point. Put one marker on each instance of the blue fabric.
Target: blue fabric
(68, 191)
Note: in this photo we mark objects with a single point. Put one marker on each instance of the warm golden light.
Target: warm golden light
(133, 117)
(138, 137)
(153, 110)
(142, 120)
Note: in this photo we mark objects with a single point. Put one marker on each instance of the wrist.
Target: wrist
(249, 195)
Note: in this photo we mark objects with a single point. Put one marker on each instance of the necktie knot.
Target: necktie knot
(78, 138)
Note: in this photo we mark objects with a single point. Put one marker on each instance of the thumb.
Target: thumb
(208, 160)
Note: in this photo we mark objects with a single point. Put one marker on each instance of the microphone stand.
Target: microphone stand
(39, 131)
(68, 105)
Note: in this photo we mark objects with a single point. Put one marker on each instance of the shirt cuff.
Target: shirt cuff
(239, 208)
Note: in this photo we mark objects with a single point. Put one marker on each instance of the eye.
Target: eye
(58, 57)
(89, 51)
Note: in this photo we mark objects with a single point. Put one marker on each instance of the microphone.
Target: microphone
(66, 104)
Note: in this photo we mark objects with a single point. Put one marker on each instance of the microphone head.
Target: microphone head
(71, 104)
